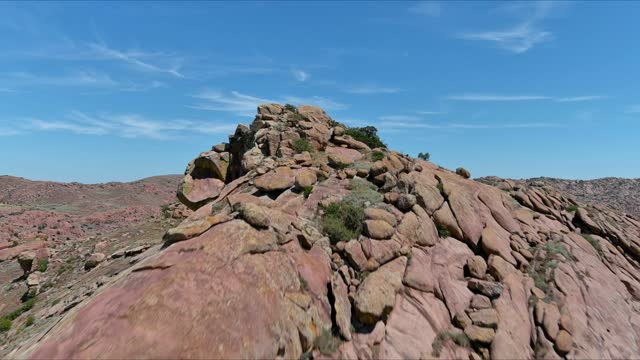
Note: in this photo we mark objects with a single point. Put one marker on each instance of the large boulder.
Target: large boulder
(376, 295)
(236, 300)
(277, 180)
(204, 179)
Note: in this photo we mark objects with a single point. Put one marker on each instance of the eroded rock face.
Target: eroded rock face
(252, 273)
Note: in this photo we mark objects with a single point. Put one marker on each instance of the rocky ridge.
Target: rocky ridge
(619, 194)
(306, 242)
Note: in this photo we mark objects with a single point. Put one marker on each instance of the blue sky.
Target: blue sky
(95, 92)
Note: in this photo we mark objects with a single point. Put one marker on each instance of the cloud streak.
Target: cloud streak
(503, 98)
(243, 104)
(580, 98)
(77, 78)
(634, 109)
(134, 58)
(120, 125)
(427, 8)
(417, 125)
(494, 97)
(369, 89)
(521, 37)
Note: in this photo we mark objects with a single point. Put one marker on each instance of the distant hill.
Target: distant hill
(88, 198)
(616, 193)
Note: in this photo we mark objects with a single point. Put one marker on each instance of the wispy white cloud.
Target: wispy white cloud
(124, 125)
(81, 78)
(9, 132)
(300, 75)
(519, 39)
(367, 89)
(418, 125)
(494, 97)
(580, 98)
(523, 36)
(140, 87)
(497, 97)
(135, 58)
(76, 78)
(399, 118)
(429, 112)
(246, 105)
(353, 122)
(428, 8)
(633, 109)
(235, 102)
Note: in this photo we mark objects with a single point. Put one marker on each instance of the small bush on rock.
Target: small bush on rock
(363, 192)
(295, 117)
(443, 232)
(377, 155)
(43, 264)
(571, 208)
(307, 191)
(367, 135)
(342, 221)
(301, 145)
(459, 339)
(594, 243)
(424, 156)
(327, 343)
(29, 321)
(290, 107)
(333, 123)
(5, 324)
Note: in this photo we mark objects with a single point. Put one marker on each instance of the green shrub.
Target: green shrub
(340, 166)
(571, 208)
(443, 232)
(43, 264)
(459, 339)
(377, 155)
(64, 268)
(554, 247)
(367, 135)
(342, 221)
(541, 270)
(5, 324)
(424, 156)
(596, 245)
(304, 285)
(301, 145)
(217, 207)
(326, 342)
(290, 107)
(362, 192)
(333, 123)
(295, 117)
(29, 321)
(361, 165)
(307, 191)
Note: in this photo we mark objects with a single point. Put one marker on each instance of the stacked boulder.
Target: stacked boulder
(432, 265)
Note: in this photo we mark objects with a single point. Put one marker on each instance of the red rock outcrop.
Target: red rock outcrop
(441, 266)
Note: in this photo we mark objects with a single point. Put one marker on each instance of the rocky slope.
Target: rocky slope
(305, 242)
(49, 231)
(617, 193)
